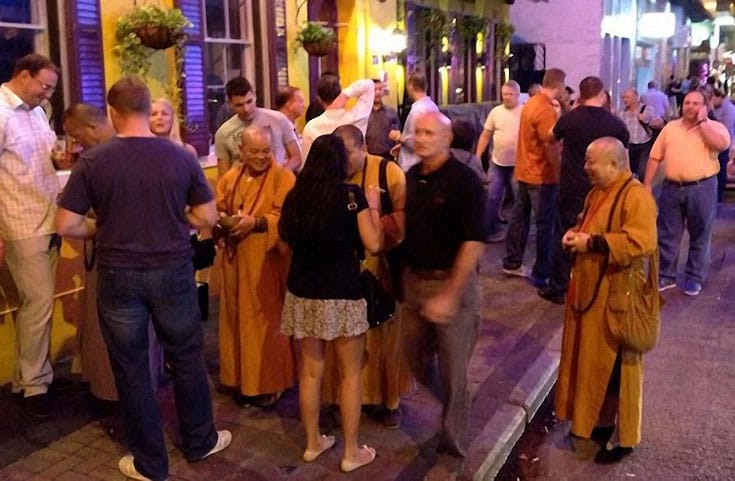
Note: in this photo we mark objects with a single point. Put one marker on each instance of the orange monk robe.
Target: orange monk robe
(254, 356)
(385, 374)
(588, 349)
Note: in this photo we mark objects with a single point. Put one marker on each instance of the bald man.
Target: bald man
(444, 243)
(256, 359)
(87, 124)
(600, 381)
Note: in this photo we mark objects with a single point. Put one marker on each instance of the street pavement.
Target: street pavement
(688, 425)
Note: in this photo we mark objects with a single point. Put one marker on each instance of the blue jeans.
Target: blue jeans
(693, 205)
(501, 177)
(542, 200)
(127, 299)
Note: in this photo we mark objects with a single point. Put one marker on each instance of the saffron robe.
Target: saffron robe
(385, 373)
(254, 356)
(589, 350)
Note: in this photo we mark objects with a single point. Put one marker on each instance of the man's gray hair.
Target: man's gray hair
(512, 84)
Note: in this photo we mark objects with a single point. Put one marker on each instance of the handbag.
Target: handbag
(380, 304)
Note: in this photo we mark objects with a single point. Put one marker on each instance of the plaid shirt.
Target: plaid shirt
(638, 135)
(28, 182)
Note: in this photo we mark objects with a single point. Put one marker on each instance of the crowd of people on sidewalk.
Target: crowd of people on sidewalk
(302, 223)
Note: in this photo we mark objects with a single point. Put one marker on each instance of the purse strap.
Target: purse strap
(386, 203)
(606, 261)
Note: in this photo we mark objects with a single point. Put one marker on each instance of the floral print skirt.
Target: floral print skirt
(325, 319)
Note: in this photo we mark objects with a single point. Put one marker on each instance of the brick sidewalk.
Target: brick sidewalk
(267, 445)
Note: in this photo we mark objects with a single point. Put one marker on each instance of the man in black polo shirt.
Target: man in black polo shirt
(444, 243)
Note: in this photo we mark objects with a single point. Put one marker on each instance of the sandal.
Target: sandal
(347, 466)
(325, 444)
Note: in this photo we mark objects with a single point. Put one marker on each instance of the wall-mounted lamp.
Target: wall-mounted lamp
(398, 41)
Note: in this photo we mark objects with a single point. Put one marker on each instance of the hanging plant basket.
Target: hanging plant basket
(316, 38)
(156, 37)
(319, 48)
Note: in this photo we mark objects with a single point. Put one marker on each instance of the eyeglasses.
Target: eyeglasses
(45, 87)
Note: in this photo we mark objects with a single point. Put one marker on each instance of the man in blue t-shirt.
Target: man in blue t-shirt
(146, 192)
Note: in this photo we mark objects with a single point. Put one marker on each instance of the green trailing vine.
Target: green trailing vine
(134, 55)
(470, 26)
(503, 33)
(437, 24)
(149, 24)
(314, 32)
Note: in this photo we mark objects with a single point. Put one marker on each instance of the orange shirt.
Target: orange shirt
(537, 161)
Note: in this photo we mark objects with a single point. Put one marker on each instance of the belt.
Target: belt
(688, 182)
(431, 275)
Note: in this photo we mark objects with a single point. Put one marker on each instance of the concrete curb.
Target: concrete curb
(508, 424)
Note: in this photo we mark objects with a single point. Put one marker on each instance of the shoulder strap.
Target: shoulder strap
(615, 203)
(606, 261)
(385, 201)
(646, 127)
(352, 207)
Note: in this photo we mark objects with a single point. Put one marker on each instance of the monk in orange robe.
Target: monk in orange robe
(601, 382)
(255, 358)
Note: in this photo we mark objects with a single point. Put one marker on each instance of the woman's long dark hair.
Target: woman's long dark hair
(312, 198)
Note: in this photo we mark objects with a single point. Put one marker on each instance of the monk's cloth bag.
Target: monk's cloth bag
(635, 305)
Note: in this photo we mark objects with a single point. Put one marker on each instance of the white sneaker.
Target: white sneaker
(521, 271)
(127, 467)
(224, 438)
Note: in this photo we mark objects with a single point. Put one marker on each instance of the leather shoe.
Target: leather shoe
(551, 294)
(602, 434)
(611, 456)
(38, 406)
(60, 384)
(392, 418)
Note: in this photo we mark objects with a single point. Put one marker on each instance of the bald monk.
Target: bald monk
(255, 358)
(600, 382)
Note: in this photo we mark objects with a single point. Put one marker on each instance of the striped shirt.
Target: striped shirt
(638, 134)
(28, 182)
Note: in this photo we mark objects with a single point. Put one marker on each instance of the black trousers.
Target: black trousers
(568, 210)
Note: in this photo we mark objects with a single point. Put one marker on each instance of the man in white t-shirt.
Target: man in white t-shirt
(501, 126)
(422, 104)
(333, 98)
(241, 99)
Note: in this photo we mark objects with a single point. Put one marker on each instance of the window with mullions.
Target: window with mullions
(227, 47)
(20, 23)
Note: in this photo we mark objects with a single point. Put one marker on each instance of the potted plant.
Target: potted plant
(503, 32)
(316, 38)
(144, 30)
